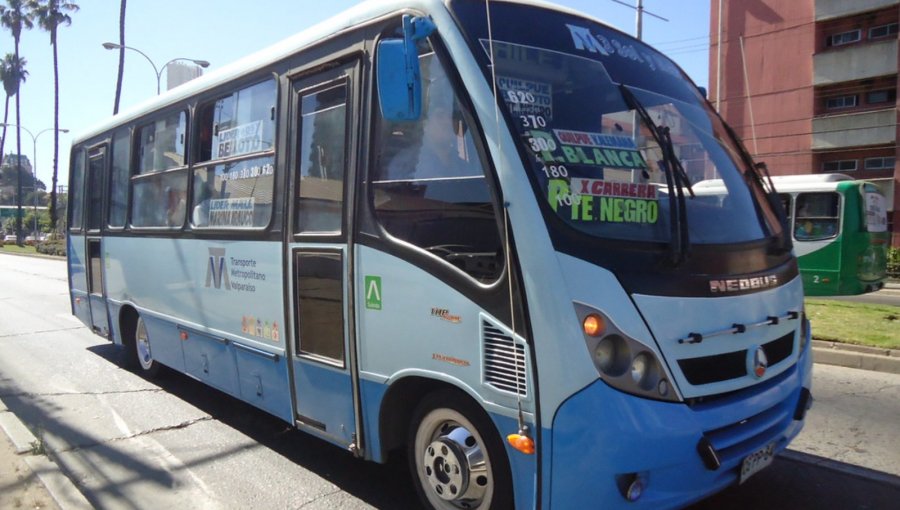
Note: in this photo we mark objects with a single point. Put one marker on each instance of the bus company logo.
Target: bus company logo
(757, 361)
(444, 314)
(742, 284)
(585, 40)
(217, 269)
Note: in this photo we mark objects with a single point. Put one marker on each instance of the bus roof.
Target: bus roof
(363, 13)
(807, 182)
(809, 178)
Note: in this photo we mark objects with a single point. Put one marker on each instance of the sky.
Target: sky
(226, 30)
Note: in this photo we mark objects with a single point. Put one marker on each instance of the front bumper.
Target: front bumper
(601, 436)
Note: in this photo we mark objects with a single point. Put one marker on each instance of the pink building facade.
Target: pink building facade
(811, 86)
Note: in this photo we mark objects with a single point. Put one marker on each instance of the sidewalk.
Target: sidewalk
(28, 479)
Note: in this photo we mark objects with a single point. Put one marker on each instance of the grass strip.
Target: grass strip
(855, 323)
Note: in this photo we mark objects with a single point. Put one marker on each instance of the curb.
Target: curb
(22, 438)
(856, 356)
(61, 488)
(32, 255)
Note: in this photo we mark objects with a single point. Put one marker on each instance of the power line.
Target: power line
(829, 90)
(827, 151)
(826, 131)
(664, 43)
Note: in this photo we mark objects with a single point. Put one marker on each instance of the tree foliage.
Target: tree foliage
(50, 14)
(13, 74)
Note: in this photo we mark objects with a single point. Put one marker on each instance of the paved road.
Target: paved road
(133, 444)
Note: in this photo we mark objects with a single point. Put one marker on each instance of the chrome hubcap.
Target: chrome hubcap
(455, 467)
(142, 342)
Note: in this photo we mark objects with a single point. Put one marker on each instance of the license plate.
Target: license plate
(756, 461)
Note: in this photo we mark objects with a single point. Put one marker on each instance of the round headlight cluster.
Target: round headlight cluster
(645, 372)
(612, 355)
(623, 362)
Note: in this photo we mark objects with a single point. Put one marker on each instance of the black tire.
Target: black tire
(127, 357)
(448, 430)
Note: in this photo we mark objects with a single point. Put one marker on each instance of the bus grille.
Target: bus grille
(731, 365)
(504, 361)
(736, 440)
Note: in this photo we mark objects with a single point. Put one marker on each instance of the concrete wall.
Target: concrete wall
(856, 62)
(854, 129)
(827, 9)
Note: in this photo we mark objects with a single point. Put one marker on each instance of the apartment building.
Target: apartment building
(811, 86)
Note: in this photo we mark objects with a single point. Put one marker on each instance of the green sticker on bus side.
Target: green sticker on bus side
(373, 292)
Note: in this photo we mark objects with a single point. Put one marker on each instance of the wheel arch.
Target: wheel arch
(128, 317)
(401, 400)
(127, 325)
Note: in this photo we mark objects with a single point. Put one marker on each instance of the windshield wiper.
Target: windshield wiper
(676, 179)
(760, 173)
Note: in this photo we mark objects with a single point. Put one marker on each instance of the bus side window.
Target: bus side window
(76, 204)
(323, 149)
(234, 172)
(160, 186)
(817, 216)
(118, 186)
(787, 205)
(429, 183)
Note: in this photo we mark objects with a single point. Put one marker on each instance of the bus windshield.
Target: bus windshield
(615, 135)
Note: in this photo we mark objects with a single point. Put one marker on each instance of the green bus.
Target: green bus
(840, 232)
(839, 228)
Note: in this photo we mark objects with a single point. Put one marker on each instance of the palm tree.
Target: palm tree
(16, 18)
(121, 56)
(50, 14)
(12, 73)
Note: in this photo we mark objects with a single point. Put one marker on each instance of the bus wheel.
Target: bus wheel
(149, 366)
(456, 456)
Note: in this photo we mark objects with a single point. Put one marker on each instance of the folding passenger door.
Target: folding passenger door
(322, 161)
(94, 219)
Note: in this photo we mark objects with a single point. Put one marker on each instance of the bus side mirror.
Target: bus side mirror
(703, 92)
(398, 75)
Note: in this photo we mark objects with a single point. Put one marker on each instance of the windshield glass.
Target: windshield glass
(594, 159)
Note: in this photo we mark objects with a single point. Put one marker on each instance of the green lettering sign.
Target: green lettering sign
(627, 210)
(373, 292)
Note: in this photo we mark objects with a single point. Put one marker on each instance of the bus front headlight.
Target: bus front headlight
(611, 355)
(623, 362)
(640, 366)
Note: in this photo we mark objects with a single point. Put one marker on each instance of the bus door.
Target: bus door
(94, 192)
(319, 253)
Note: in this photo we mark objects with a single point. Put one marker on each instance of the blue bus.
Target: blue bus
(429, 227)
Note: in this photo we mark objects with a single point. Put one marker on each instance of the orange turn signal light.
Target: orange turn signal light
(593, 325)
(522, 443)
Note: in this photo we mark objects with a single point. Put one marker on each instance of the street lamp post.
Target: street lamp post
(34, 138)
(157, 70)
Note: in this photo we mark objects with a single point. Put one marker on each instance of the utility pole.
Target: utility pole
(719, 62)
(639, 20)
(639, 33)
